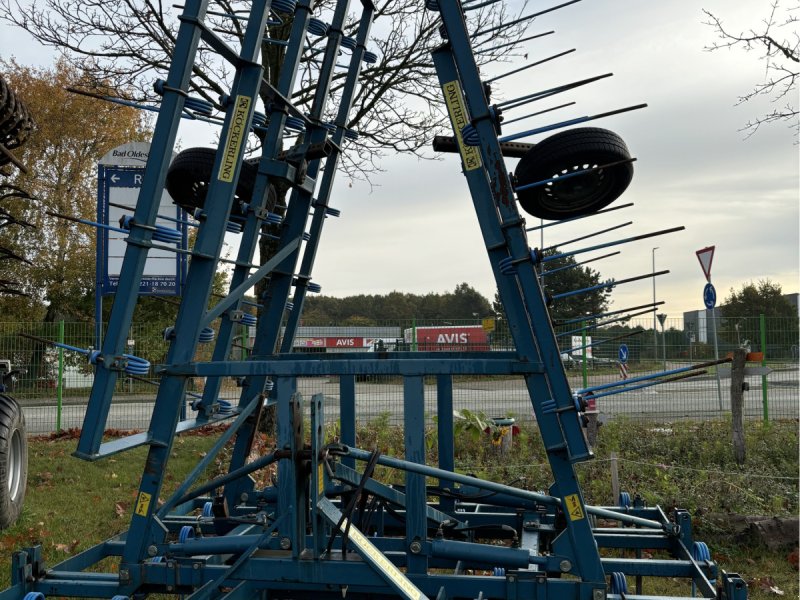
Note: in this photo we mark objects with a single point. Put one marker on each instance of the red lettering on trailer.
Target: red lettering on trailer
(450, 337)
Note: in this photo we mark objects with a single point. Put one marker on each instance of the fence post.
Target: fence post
(584, 363)
(737, 403)
(60, 387)
(614, 480)
(764, 395)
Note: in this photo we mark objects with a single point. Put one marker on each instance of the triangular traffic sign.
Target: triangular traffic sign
(705, 256)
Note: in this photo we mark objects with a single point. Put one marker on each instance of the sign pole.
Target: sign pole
(716, 356)
(706, 257)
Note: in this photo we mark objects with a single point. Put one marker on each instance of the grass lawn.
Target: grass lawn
(72, 505)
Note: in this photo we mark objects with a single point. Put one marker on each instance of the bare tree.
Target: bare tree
(776, 41)
(127, 44)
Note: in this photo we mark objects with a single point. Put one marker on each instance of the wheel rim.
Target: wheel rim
(15, 465)
(577, 190)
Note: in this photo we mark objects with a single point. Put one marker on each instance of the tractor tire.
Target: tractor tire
(567, 152)
(189, 176)
(13, 460)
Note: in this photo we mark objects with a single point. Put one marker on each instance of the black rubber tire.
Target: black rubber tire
(189, 176)
(13, 460)
(569, 151)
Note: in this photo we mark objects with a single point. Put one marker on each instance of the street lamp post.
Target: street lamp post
(655, 329)
(662, 318)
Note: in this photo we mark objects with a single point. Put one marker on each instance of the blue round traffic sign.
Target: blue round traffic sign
(623, 353)
(709, 296)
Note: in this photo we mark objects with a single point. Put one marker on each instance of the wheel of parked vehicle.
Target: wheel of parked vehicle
(13, 460)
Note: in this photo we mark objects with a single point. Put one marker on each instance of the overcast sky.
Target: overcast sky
(415, 230)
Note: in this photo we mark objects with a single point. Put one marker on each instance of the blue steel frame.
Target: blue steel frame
(327, 527)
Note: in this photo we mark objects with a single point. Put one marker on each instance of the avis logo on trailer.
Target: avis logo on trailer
(448, 337)
(452, 338)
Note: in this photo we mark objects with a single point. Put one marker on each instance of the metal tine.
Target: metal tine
(599, 212)
(159, 216)
(577, 264)
(613, 384)
(635, 238)
(506, 45)
(467, 6)
(535, 64)
(154, 246)
(605, 341)
(608, 314)
(536, 114)
(607, 285)
(585, 237)
(522, 134)
(525, 18)
(559, 178)
(517, 102)
(689, 375)
(273, 219)
(608, 322)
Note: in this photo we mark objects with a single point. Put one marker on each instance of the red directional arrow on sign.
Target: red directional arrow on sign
(705, 256)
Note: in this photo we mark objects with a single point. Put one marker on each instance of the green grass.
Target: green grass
(72, 505)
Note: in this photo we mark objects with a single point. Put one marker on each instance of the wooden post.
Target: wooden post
(614, 480)
(737, 403)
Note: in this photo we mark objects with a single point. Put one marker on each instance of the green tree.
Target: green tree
(73, 132)
(741, 311)
(752, 300)
(565, 275)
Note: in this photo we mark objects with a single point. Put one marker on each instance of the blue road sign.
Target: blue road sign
(709, 296)
(623, 353)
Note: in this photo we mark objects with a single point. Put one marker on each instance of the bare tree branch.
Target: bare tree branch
(777, 42)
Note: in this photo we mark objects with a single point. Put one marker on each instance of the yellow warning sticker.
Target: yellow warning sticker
(459, 119)
(379, 559)
(237, 133)
(574, 508)
(320, 480)
(143, 504)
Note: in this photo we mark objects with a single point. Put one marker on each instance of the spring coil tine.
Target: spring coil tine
(198, 105)
(284, 6)
(470, 135)
(349, 43)
(207, 335)
(317, 27)
(186, 533)
(136, 365)
(295, 124)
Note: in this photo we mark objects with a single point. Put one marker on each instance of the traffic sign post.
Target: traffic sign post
(706, 256)
(623, 353)
(709, 296)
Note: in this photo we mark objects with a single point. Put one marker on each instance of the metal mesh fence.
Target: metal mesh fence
(53, 384)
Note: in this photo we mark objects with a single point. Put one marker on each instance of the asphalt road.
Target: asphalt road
(687, 399)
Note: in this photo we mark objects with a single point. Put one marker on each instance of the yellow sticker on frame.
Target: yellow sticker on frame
(574, 508)
(143, 504)
(457, 109)
(237, 134)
